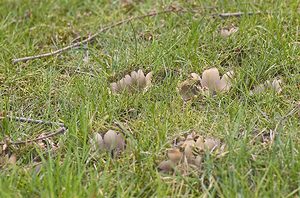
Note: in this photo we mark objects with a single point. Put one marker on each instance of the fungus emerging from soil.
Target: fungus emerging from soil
(111, 141)
(275, 85)
(210, 81)
(135, 81)
(228, 31)
(188, 153)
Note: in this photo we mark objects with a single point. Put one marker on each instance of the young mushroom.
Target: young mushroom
(210, 81)
(275, 85)
(228, 31)
(188, 153)
(111, 141)
(135, 81)
(174, 155)
(166, 166)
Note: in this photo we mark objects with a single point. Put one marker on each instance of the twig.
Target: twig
(104, 29)
(59, 131)
(235, 14)
(29, 120)
(92, 37)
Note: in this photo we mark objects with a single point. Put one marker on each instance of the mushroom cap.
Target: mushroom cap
(114, 87)
(166, 166)
(12, 159)
(148, 79)
(211, 144)
(276, 85)
(141, 80)
(134, 76)
(225, 82)
(136, 80)
(174, 155)
(226, 32)
(120, 142)
(195, 76)
(200, 143)
(188, 153)
(110, 139)
(210, 79)
(99, 143)
(128, 81)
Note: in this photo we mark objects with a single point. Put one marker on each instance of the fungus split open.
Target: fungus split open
(210, 81)
(134, 81)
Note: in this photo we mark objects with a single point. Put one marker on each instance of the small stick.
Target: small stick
(92, 37)
(59, 131)
(104, 29)
(29, 120)
(235, 14)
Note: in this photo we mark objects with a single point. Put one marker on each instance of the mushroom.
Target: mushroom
(188, 155)
(174, 155)
(210, 143)
(211, 80)
(226, 32)
(166, 166)
(110, 139)
(200, 143)
(99, 143)
(274, 85)
(136, 80)
(120, 142)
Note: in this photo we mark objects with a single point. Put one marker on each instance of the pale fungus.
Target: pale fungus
(135, 81)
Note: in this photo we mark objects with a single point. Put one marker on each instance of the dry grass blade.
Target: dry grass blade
(59, 131)
(29, 120)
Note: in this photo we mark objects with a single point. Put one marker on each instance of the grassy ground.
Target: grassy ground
(51, 89)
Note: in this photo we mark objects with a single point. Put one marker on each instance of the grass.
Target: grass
(51, 89)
